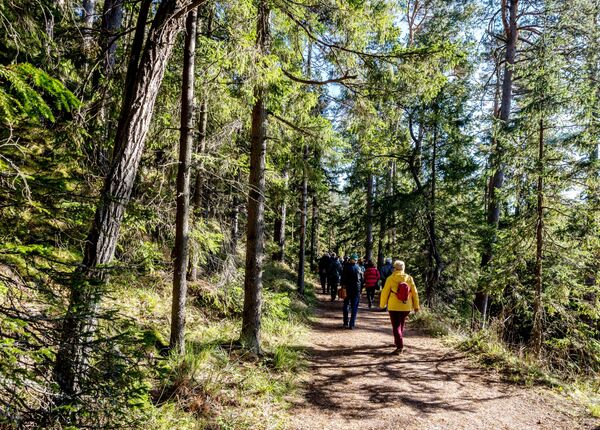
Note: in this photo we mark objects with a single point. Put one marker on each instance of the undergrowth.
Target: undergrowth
(217, 384)
(515, 366)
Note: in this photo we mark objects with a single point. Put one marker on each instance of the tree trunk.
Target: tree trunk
(394, 234)
(369, 219)
(202, 127)
(537, 330)
(134, 121)
(510, 17)
(279, 225)
(112, 17)
(183, 188)
(388, 216)
(201, 149)
(303, 216)
(89, 7)
(235, 224)
(382, 197)
(435, 258)
(250, 335)
(111, 21)
(313, 233)
(198, 191)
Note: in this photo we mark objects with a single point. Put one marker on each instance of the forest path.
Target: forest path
(354, 383)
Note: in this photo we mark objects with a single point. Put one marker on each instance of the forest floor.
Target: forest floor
(354, 383)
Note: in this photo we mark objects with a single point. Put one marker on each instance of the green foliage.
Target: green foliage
(430, 323)
(24, 91)
(413, 108)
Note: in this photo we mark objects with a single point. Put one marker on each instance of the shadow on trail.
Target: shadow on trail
(349, 366)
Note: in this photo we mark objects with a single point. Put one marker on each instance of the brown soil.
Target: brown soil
(354, 383)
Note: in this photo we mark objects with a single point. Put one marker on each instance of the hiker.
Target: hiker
(323, 264)
(371, 277)
(351, 282)
(361, 268)
(334, 272)
(400, 296)
(386, 270)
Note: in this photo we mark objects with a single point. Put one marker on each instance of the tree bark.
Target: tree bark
(394, 232)
(369, 219)
(436, 265)
(89, 7)
(202, 127)
(279, 225)
(510, 15)
(381, 238)
(201, 149)
(112, 18)
(537, 329)
(198, 186)
(303, 217)
(313, 233)
(235, 224)
(134, 121)
(388, 219)
(177, 341)
(250, 335)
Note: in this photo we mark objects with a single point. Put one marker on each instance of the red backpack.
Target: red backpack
(403, 292)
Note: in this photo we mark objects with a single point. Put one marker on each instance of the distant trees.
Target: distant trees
(509, 16)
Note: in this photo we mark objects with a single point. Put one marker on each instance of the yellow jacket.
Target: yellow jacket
(388, 295)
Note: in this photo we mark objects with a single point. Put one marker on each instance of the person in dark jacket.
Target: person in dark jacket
(386, 270)
(334, 272)
(371, 278)
(351, 281)
(323, 264)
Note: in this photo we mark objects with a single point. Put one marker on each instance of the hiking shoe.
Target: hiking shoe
(396, 351)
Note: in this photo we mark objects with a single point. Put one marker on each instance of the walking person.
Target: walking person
(401, 297)
(334, 273)
(323, 264)
(361, 269)
(371, 278)
(386, 270)
(351, 282)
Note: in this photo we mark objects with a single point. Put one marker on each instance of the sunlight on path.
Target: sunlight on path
(355, 383)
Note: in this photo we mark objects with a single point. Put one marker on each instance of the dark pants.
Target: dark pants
(333, 285)
(323, 279)
(351, 306)
(398, 319)
(370, 296)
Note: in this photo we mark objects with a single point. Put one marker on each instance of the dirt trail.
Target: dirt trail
(356, 384)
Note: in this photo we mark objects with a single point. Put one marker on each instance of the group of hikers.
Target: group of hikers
(347, 277)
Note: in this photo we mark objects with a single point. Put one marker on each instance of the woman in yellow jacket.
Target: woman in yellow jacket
(397, 308)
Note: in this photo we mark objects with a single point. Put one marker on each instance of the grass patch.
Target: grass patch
(519, 367)
(516, 367)
(217, 384)
(430, 323)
